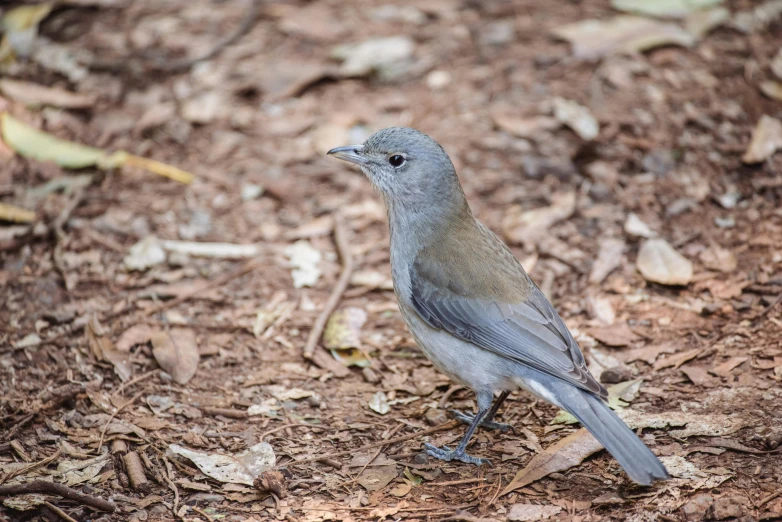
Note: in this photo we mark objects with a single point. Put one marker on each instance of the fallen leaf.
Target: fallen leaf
(32, 94)
(609, 257)
(660, 263)
(530, 512)
(678, 359)
(772, 89)
(377, 477)
(693, 424)
(718, 258)
(724, 369)
(371, 279)
(523, 127)
(766, 140)
(304, 261)
(32, 143)
(343, 329)
(20, 28)
(136, 334)
(24, 502)
(560, 456)
(663, 8)
(242, 468)
(384, 55)
(104, 350)
(702, 22)
(177, 353)
(601, 308)
(577, 117)
(637, 228)
(281, 393)
(530, 226)
(145, 254)
(400, 490)
(379, 403)
(698, 376)
(616, 335)
(318, 227)
(593, 39)
(16, 214)
(776, 64)
(79, 471)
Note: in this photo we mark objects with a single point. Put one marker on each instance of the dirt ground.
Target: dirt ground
(94, 301)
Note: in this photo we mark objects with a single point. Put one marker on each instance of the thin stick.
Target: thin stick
(54, 488)
(111, 417)
(343, 247)
(62, 514)
(769, 498)
(442, 427)
(30, 467)
(135, 380)
(458, 482)
(286, 426)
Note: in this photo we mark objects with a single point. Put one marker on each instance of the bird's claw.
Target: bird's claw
(448, 455)
(466, 418)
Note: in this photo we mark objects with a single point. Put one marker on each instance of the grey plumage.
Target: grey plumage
(471, 307)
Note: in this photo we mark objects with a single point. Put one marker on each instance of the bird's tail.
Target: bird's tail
(641, 465)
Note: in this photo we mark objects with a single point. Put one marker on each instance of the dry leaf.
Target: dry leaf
(137, 334)
(637, 228)
(616, 335)
(772, 89)
(377, 54)
(379, 403)
(531, 512)
(32, 143)
(693, 424)
(577, 117)
(724, 369)
(678, 359)
(304, 261)
(701, 23)
(758, 17)
(343, 329)
(593, 39)
(242, 468)
(104, 350)
(609, 257)
(663, 8)
(660, 263)
(766, 140)
(16, 214)
(33, 94)
(400, 490)
(177, 353)
(561, 456)
(145, 254)
(530, 226)
(718, 258)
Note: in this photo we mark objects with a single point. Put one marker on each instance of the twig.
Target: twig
(113, 415)
(230, 413)
(459, 482)
(442, 427)
(30, 467)
(248, 266)
(62, 514)
(54, 488)
(135, 469)
(58, 227)
(286, 426)
(343, 247)
(769, 498)
(135, 380)
(170, 481)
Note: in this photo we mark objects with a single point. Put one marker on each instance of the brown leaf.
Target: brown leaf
(678, 359)
(699, 376)
(609, 257)
(530, 226)
(766, 139)
(563, 455)
(718, 258)
(660, 263)
(648, 354)
(616, 335)
(177, 353)
(530, 512)
(136, 334)
(33, 94)
(104, 350)
(724, 369)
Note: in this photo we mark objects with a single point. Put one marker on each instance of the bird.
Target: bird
(471, 307)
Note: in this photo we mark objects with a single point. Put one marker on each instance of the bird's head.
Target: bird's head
(407, 167)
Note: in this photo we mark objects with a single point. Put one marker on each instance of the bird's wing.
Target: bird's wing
(528, 330)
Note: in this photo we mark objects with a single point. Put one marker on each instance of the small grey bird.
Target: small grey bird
(471, 307)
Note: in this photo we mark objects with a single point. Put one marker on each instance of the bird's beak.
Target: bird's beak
(350, 153)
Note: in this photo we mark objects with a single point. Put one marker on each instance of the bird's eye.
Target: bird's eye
(396, 160)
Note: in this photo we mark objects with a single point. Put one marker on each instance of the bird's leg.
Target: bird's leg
(459, 453)
(487, 423)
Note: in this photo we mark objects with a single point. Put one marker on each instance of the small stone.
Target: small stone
(728, 222)
(435, 416)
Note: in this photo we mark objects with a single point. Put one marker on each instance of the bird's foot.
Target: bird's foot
(467, 418)
(448, 455)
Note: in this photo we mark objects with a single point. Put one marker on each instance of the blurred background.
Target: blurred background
(171, 232)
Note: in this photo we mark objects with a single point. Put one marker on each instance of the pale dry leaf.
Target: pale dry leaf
(136, 334)
(282, 393)
(242, 468)
(318, 227)
(379, 403)
(692, 424)
(757, 17)
(343, 329)
(601, 308)
(371, 279)
(377, 477)
(577, 117)
(776, 64)
(145, 254)
(648, 354)
(176, 351)
(678, 359)
(564, 454)
(521, 126)
(593, 39)
(766, 140)
(660, 263)
(15, 214)
(33, 94)
(663, 8)
(531, 512)
(637, 228)
(772, 89)
(718, 258)
(609, 257)
(400, 490)
(619, 334)
(376, 54)
(530, 226)
(305, 261)
(700, 23)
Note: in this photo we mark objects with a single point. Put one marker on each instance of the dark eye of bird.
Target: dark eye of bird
(396, 160)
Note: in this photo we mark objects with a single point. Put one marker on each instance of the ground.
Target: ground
(84, 332)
